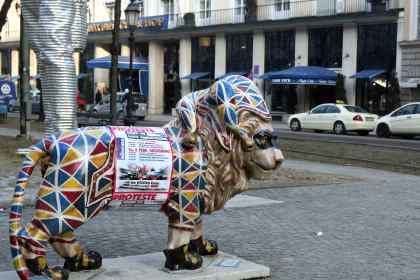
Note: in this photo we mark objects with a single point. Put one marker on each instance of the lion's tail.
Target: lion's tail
(17, 231)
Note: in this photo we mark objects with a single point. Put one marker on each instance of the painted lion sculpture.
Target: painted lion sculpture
(233, 139)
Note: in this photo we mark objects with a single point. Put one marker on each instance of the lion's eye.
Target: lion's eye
(263, 140)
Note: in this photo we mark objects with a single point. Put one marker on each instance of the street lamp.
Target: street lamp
(132, 13)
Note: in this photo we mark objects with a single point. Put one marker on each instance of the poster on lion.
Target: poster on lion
(143, 164)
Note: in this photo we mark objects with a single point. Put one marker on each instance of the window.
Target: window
(326, 47)
(319, 110)
(202, 54)
(279, 50)
(205, 11)
(332, 110)
(407, 110)
(355, 109)
(240, 7)
(141, 5)
(239, 52)
(418, 21)
(418, 109)
(6, 62)
(168, 7)
(371, 53)
(282, 5)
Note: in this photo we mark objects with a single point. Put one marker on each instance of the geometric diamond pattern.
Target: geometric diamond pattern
(78, 180)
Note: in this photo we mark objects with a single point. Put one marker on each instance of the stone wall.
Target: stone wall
(410, 70)
(410, 56)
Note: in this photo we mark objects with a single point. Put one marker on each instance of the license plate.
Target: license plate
(370, 119)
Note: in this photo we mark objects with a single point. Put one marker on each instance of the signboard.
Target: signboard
(304, 82)
(7, 91)
(143, 166)
(152, 23)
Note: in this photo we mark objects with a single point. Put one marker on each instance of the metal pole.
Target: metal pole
(114, 67)
(129, 120)
(24, 80)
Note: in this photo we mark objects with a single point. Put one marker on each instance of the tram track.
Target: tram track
(366, 141)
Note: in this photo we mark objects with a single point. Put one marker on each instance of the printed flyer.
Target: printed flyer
(143, 164)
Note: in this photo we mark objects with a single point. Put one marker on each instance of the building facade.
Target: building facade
(189, 38)
(409, 45)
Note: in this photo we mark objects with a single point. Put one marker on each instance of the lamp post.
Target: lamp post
(132, 13)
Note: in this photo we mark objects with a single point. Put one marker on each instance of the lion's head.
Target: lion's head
(229, 170)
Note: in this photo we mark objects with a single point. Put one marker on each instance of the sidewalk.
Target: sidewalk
(151, 120)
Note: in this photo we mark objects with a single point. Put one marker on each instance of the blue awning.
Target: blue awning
(83, 75)
(196, 76)
(302, 75)
(231, 74)
(123, 63)
(368, 74)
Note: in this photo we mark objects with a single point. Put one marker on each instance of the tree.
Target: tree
(3, 13)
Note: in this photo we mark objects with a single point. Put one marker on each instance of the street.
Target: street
(367, 228)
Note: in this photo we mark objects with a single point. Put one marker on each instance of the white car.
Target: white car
(405, 121)
(339, 118)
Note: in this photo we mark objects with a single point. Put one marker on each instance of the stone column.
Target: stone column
(156, 73)
(350, 61)
(185, 64)
(15, 63)
(125, 50)
(402, 35)
(101, 76)
(301, 59)
(220, 55)
(33, 62)
(258, 58)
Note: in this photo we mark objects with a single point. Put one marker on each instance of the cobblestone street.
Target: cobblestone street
(365, 229)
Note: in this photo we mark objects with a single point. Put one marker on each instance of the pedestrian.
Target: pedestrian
(98, 96)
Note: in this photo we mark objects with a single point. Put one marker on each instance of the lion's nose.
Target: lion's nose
(278, 157)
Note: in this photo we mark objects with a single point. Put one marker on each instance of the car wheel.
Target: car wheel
(363, 133)
(339, 128)
(295, 125)
(383, 131)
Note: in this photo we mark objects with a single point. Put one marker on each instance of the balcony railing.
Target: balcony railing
(282, 11)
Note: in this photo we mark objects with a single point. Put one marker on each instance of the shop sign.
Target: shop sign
(152, 23)
(304, 82)
(7, 91)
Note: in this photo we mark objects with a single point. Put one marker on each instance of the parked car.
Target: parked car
(139, 110)
(405, 122)
(103, 107)
(339, 118)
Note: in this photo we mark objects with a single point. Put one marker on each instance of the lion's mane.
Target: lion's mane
(226, 173)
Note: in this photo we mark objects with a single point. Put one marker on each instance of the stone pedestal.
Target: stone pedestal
(150, 267)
